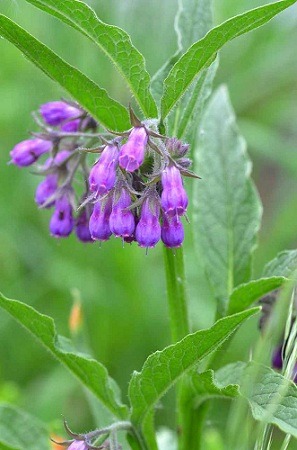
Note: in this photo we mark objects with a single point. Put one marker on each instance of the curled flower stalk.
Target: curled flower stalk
(134, 190)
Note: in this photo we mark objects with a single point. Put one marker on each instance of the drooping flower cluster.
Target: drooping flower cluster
(134, 190)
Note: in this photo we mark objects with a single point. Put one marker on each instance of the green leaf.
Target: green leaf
(205, 386)
(94, 99)
(164, 368)
(226, 208)
(193, 21)
(200, 54)
(90, 372)
(193, 103)
(21, 431)
(272, 397)
(161, 74)
(283, 265)
(112, 40)
(246, 294)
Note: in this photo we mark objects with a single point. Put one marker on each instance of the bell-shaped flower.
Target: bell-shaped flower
(82, 227)
(27, 152)
(103, 174)
(45, 190)
(99, 220)
(132, 153)
(55, 113)
(122, 220)
(148, 229)
(174, 199)
(172, 232)
(61, 223)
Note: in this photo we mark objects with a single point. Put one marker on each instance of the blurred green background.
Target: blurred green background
(123, 290)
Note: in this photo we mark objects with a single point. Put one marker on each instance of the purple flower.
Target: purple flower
(78, 445)
(132, 153)
(71, 126)
(99, 220)
(277, 358)
(148, 229)
(82, 227)
(172, 232)
(62, 222)
(103, 174)
(55, 113)
(122, 221)
(27, 152)
(46, 189)
(61, 157)
(174, 200)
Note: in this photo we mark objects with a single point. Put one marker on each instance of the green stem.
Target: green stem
(179, 324)
(176, 292)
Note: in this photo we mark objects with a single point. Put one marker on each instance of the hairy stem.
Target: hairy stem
(179, 324)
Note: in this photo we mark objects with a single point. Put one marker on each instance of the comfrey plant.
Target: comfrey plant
(133, 191)
(119, 170)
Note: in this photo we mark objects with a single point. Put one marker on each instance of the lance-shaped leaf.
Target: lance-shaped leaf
(204, 385)
(201, 54)
(19, 430)
(284, 264)
(272, 397)
(90, 372)
(193, 20)
(227, 209)
(164, 368)
(112, 40)
(246, 294)
(87, 93)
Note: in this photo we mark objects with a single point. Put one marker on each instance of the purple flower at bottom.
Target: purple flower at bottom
(132, 153)
(46, 189)
(172, 232)
(122, 220)
(99, 220)
(61, 223)
(78, 445)
(55, 113)
(82, 227)
(27, 152)
(148, 229)
(174, 199)
(103, 174)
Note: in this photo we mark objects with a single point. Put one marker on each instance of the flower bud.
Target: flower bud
(172, 232)
(61, 157)
(82, 227)
(55, 113)
(27, 152)
(99, 220)
(78, 445)
(176, 147)
(72, 126)
(174, 200)
(148, 229)
(61, 223)
(46, 189)
(133, 151)
(103, 174)
(122, 221)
